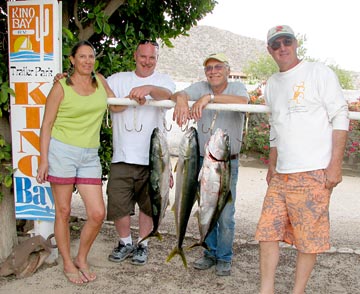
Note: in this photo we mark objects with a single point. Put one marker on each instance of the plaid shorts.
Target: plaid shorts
(296, 211)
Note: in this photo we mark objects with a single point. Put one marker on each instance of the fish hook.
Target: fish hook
(211, 125)
(135, 123)
(139, 129)
(134, 129)
(165, 126)
(186, 127)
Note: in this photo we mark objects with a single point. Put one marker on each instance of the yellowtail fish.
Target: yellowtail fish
(187, 170)
(214, 179)
(160, 179)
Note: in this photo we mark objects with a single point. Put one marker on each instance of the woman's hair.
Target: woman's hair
(71, 69)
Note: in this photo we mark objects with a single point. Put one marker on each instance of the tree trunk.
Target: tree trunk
(8, 237)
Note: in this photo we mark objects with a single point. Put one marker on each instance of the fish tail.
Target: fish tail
(179, 251)
(152, 234)
(193, 246)
(202, 244)
(158, 235)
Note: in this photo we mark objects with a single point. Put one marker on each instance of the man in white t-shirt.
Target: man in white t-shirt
(309, 123)
(132, 129)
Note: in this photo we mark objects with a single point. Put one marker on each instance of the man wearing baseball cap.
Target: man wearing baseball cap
(217, 89)
(279, 31)
(308, 132)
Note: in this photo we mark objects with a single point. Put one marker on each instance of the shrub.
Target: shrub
(256, 133)
(352, 149)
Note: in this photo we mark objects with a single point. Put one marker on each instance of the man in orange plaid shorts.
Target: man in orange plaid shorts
(309, 123)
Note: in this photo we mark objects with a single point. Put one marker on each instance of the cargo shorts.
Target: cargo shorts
(127, 185)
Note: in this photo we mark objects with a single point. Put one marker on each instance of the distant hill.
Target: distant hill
(184, 62)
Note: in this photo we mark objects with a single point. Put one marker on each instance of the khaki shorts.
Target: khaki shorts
(127, 185)
(296, 211)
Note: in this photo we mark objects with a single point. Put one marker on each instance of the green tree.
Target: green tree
(344, 76)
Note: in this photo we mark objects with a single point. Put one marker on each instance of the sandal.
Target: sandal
(75, 278)
(88, 274)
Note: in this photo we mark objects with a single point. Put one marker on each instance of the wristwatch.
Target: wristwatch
(212, 97)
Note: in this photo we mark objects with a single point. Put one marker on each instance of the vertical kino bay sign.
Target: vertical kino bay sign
(34, 59)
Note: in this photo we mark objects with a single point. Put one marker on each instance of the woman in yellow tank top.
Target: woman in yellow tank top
(69, 142)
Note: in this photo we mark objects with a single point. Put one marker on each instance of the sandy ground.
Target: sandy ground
(335, 272)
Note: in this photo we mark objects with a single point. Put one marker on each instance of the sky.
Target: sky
(332, 28)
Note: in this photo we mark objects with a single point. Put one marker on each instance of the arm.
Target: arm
(110, 94)
(333, 172)
(156, 92)
(53, 101)
(198, 106)
(181, 109)
(228, 99)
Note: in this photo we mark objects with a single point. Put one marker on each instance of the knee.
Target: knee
(63, 213)
(97, 216)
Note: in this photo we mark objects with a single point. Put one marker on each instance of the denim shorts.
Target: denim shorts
(73, 165)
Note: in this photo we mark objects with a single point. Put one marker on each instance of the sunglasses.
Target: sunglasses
(216, 67)
(277, 44)
(154, 43)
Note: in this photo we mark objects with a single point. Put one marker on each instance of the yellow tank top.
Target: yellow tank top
(79, 118)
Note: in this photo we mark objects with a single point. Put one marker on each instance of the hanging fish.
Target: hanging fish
(187, 171)
(214, 179)
(160, 179)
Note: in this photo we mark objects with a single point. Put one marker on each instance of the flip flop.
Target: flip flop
(75, 278)
(88, 274)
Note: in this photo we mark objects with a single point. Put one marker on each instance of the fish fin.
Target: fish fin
(175, 168)
(179, 251)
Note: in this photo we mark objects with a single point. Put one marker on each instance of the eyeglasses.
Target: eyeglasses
(154, 43)
(216, 67)
(277, 44)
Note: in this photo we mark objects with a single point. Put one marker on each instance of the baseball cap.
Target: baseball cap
(217, 56)
(279, 31)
